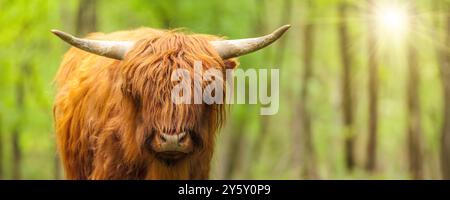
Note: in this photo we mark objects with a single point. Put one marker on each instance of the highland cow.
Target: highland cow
(113, 112)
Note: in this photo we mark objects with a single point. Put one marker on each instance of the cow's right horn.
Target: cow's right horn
(110, 49)
(235, 48)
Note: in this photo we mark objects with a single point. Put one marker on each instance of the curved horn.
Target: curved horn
(234, 48)
(110, 49)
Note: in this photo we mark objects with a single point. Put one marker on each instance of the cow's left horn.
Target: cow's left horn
(110, 49)
(234, 48)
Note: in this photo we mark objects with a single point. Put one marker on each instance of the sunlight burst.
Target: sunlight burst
(392, 19)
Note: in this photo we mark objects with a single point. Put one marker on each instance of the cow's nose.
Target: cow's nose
(174, 139)
(169, 143)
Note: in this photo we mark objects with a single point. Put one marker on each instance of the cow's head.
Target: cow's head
(167, 130)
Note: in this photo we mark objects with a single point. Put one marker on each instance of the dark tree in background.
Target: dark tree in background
(87, 17)
(347, 94)
(373, 92)
(444, 58)
(259, 27)
(234, 156)
(234, 136)
(308, 160)
(277, 62)
(413, 101)
(15, 138)
(285, 19)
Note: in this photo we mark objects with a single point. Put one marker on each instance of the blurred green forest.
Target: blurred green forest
(358, 99)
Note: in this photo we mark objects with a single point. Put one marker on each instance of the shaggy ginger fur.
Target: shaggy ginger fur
(105, 109)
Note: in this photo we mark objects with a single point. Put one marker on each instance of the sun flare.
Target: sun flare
(392, 19)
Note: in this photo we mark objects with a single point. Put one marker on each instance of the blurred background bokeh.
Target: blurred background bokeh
(364, 86)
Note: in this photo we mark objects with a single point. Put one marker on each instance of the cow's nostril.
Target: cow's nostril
(182, 137)
(162, 138)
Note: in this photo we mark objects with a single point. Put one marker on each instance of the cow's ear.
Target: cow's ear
(231, 63)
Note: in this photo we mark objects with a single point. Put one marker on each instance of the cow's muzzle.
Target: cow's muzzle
(173, 145)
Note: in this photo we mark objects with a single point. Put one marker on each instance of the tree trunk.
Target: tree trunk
(445, 135)
(413, 102)
(308, 170)
(373, 95)
(347, 96)
(67, 17)
(278, 62)
(286, 18)
(15, 138)
(444, 58)
(261, 26)
(17, 155)
(87, 17)
(234, 155)
(235, 141)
